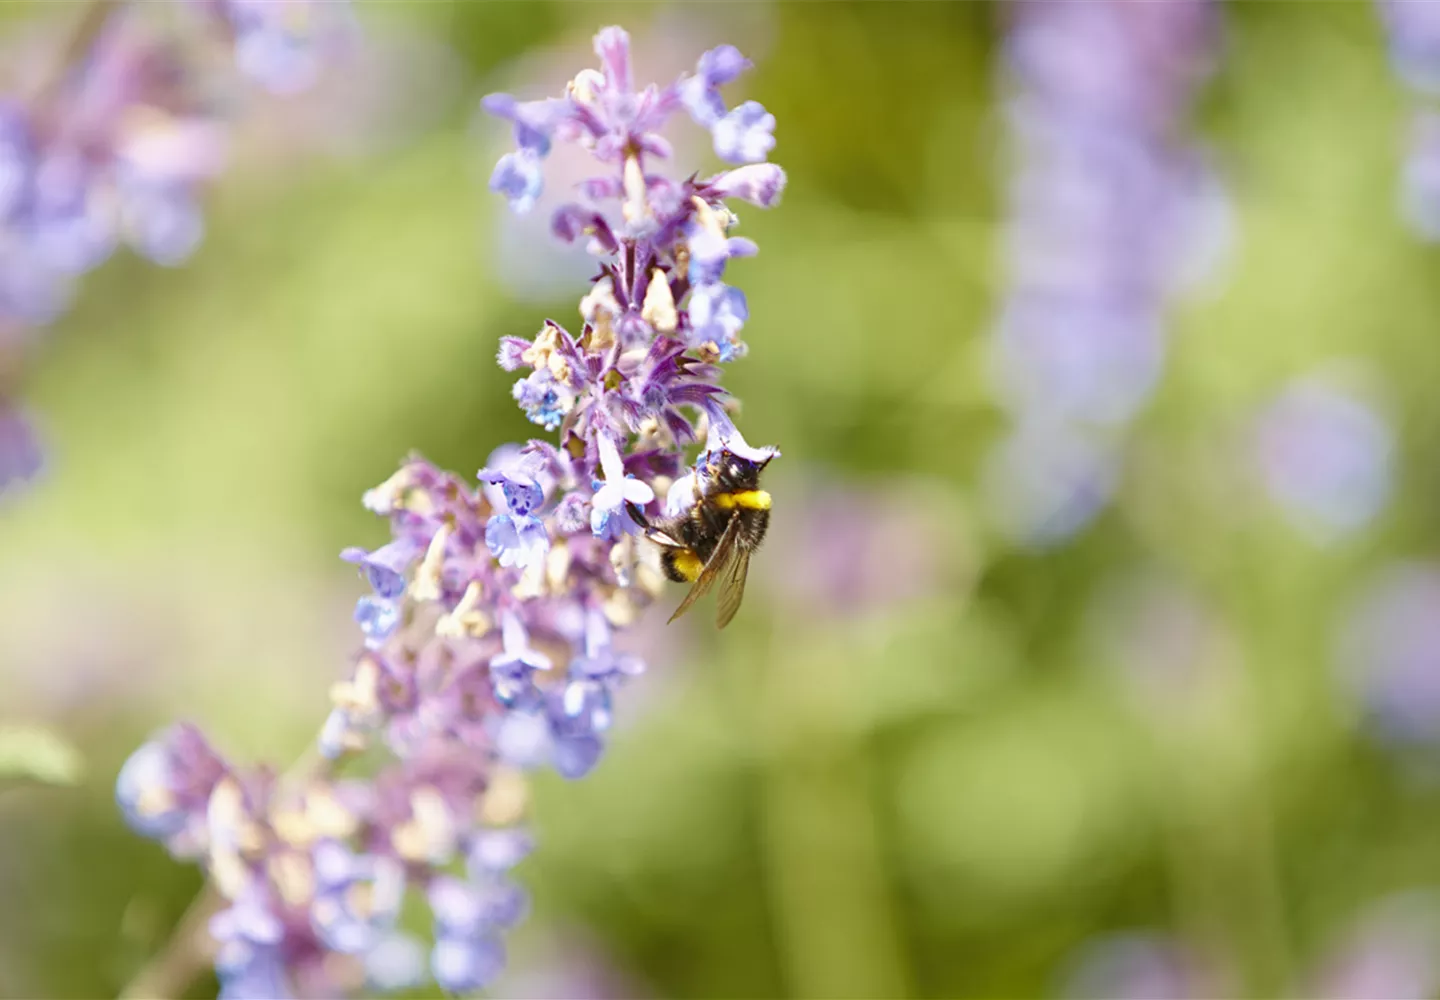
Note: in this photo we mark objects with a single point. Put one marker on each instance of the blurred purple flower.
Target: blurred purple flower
(1163, 642)
(283, 44)
(1047, 481)
(1389, 654)
(1420, 180)
(20, 454)
(572, 965)
(1110, 209)
(165, 786)
(116, 152)
(1412, 28)
(895, 553)
(1390, 951)
(1139, 966)
(745, 135)
(1326, 458)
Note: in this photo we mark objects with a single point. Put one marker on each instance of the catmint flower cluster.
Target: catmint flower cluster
(114, 151)
(1109, 203)
(490, 629)
(1412, 29)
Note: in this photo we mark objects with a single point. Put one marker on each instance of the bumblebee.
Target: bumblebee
(714, 540)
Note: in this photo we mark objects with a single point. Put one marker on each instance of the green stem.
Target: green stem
(826, 878)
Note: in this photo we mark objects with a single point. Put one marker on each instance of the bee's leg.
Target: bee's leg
(649, 530)
(637, 515)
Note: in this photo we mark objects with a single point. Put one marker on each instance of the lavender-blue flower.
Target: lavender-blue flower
(491, 628)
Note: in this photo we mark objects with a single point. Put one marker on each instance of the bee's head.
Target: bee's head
(731, 472)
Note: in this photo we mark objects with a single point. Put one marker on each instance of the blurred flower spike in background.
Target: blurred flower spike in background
(1389, 655)
(1111, 206)
(113, 149)
(489, 634)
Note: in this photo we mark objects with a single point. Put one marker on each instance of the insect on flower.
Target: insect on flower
(714, 539)
(491, 624)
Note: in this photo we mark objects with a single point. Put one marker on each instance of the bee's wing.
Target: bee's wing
(718, 561)
(732, 585)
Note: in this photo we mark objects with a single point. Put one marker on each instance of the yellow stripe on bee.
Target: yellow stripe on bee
(749, 499)
(689, 564)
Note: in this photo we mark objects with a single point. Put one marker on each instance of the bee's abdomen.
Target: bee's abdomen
(681, 565)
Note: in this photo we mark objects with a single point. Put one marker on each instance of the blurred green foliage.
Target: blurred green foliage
(944, 799)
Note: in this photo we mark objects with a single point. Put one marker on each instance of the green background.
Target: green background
(942, 795)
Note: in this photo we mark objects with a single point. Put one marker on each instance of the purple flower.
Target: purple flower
(17, 158)
(164, 788)
(574, 755)
(583, 709)
(608, 518)
(1389, 654)
(468, 953)
(717, 312)
(1326, 458)
(282, 43)
(1413, 30)
(1100, 365)
(465, 965)
(1389, 952)
(20, 454)
(1139, 966)
(386, 567)
(250, 961)
(378, 618)
(357, 898)
(1420, 183)
(517, 176)
(600, 660)
(512, 670)
(497, 850)
(701, 93)
(535, 121)
(1110, 205)
(745, 135)
(723, 435)
(395, 963)
(481, 589)
(1045, 482)
(710, 249)
(517, 538)
(544, 400)
(118, 151)
(758, 183)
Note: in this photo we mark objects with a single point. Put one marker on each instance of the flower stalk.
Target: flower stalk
(492, 633)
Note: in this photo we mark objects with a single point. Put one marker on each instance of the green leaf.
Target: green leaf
(33, 753)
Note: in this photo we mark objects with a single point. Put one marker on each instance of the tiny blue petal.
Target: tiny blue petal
(575, 757)
(396, 963)
(378, 618)
(517, 176)
(464, 966)
(498, 850)
(745, 135)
